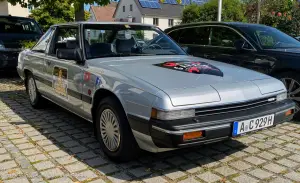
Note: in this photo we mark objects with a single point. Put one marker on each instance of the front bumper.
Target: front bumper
(169, 134)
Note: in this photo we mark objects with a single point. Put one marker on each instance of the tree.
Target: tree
(59, 11)
(232, 10)
(78, 5)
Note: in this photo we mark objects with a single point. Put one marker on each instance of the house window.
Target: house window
(171, 22)
(131, 7)
(155, 21)
(123, 8)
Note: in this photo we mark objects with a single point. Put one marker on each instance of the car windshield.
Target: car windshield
(127, 40)
(270, 38)
(17, 25)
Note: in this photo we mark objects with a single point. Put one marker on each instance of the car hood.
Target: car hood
(288, 50)
(190, 80)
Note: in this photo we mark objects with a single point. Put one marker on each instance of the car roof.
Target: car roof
(9, 16)
(101, 23)
(230, 24)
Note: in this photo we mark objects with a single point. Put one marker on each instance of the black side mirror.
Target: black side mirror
(70, 54)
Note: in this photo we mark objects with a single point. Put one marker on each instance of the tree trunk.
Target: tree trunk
(258, 11)
(79, 12)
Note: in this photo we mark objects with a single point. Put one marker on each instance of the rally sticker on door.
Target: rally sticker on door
(192, 67)
(60, 81)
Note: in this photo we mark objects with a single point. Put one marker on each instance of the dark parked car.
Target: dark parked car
(13, 32)
(258, 47)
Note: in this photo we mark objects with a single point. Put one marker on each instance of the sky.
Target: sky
(87, 6)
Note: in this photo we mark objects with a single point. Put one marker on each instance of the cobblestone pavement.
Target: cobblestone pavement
(53, 145)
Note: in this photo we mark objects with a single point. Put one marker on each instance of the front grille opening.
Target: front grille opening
(234, 107)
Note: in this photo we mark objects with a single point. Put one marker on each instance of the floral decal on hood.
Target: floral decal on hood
(192, 67)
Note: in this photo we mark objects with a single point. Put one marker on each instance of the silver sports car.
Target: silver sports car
(141, 90)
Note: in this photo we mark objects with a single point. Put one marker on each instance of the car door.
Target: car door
(65, 76)
(228, 46)
(37, 58)
(193, 39)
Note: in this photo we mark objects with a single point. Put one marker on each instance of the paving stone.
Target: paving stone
(70, 143)
(17, 180)
(240, 165)
(98, 181)
(50, 148)
(287, 163)
(38, 157)
(208, 162)
(251, 150)
(43, 165)
(209, 177)
(237, 154)
(160, 166)
(61, 180)
(20, 141)
(140, 172)
(155, 179)
(176, 160)
(78, 149)
(7, 165)
(32, 151)
(52, 173)
(293, 146)
(295, 176)
(269, 133)
(37, 138)
(267, 155)
(261, 174)
(75, 167)
(57, 154)
(96, 162)
(261, 145)
(4, 157)
(10, 173)
(44, 142)
(255, 160)
(2, 150)
(280, 180)
(245, 179)
(15, 136)
(25, 146)
(279, 151)
(191, 168)
(86, 155)
(174, 174)
(274, 168)
(295, 157)
(86, 175)
(119, 177)
(245, 140)
(225, 171)
(108, 169)
(66, 160)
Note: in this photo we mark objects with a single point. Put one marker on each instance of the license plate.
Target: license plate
(240, 127)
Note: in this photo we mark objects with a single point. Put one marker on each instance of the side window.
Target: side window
(224, 37)
(65, 38)
(174, 34)
(42, 43)
(195, 36)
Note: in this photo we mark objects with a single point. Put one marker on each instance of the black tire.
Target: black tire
(38, 101)
(291, 75)
(128, 148)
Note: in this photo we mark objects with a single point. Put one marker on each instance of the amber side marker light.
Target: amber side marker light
(289, 112)
(192, 135)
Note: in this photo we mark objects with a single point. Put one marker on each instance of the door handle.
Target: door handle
(209, 56)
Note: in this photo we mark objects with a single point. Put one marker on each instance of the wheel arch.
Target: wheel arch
(276, 72)
(99, 95)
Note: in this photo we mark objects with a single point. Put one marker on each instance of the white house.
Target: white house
(163, 15)
(8, 9)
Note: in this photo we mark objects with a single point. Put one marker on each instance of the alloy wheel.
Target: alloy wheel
(32, 90)
(110, 130)
(293, 91)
